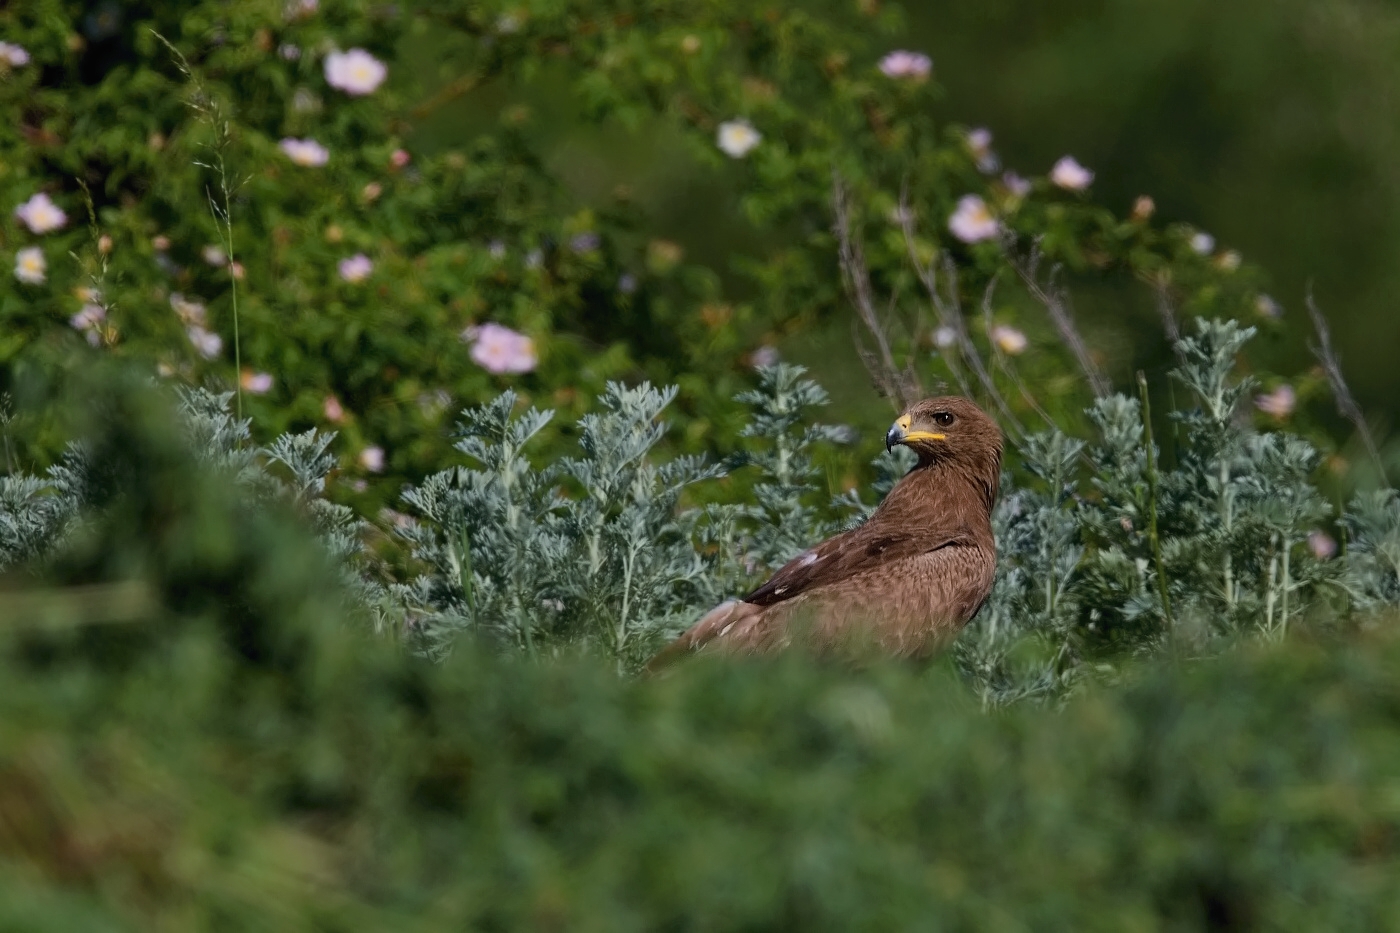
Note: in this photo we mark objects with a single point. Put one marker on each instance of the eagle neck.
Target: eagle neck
(948, 482)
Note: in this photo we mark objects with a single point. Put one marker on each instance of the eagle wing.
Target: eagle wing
(907, 593)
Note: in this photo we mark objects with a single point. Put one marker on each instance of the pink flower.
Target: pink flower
(89, 320)
(1017, 185)
(1070, 175)
(1322, 545)
(190, 312)
(356, 269)
(372, 459)
(255, 383)
(399, 158)
(355, 72)
(972, 222)
(307, 152)
(1279, 403)
(1009, 340)
(206, 342)
(13, 55)
(332, 409)
(764, 356)
(904, 64)
(979, 143)
(498, 349)
(40, 214)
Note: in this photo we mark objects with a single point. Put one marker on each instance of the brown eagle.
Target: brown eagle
(908, 579)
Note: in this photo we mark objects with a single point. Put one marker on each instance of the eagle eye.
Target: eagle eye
(943, 418)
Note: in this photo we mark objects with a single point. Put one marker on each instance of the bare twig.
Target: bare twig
(947, 307)
(900, 385)
(1346, 402)
(1167, 310)
(1055, 298)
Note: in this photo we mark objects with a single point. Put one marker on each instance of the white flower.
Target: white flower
(355, 72)
(30, 265)
(972, 222)
(372, 459)
(979, 143)
(1279, 403)
(904, 64)
(214, 255)
(1229, 260)
(40, 214)
(206, 342)
(356, 269)
(737, 138)
(1009, 339)
(1203, 243)
(13, 55)
(944, 337)
(1070, 175)
(305, 152)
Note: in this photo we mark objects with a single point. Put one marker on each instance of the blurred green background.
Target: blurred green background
(1270, 125)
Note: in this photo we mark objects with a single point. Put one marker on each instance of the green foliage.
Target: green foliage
(484, 229)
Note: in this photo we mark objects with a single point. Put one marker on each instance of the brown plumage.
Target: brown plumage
(908, 579)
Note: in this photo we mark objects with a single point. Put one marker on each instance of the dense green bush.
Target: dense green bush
(194, 151)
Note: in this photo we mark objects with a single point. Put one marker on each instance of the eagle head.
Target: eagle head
(949, 429)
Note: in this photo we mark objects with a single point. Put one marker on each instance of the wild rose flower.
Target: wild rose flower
(1018, 186)
(372, 459)
(306, 152)
(979, 143)
(89, 320)
(355, 72)
(399, 158)
(190, 312)
(31, 266)
(1267, 307)
(1229, 260)
(332, 409)
(764, 356)
(972, 222)
(13, 55)
(737, 138)
(40, 214)
(1143, 208)
(214, 255)
(1203, 243)
(356, 269)
(1070, 175)
(255, 383)
(908, 65)
(1278, 403)
(944, 337)
(1322, 545)
(206, 342)
(1009, 340)
(498, 349)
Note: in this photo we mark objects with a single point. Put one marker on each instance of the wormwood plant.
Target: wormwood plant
(597, 552)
